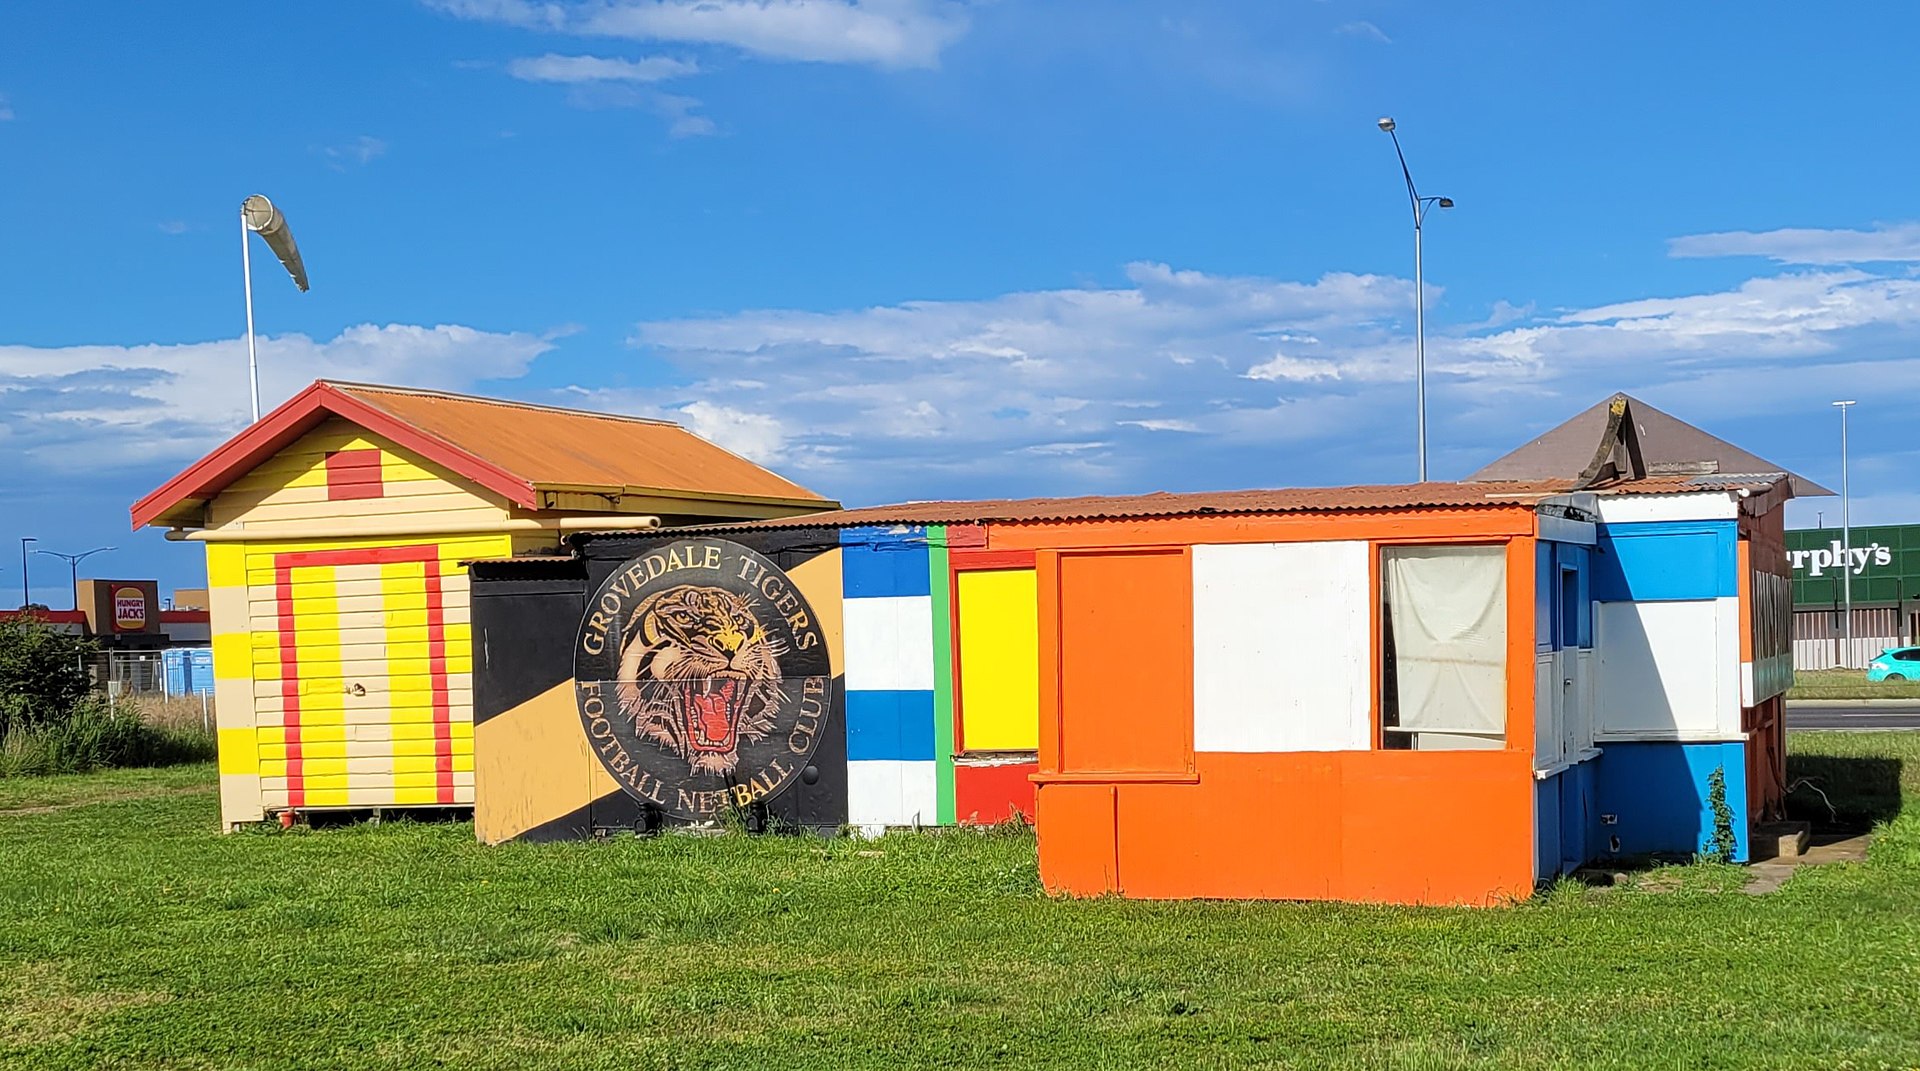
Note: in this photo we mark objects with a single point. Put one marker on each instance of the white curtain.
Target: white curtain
(1449, 611)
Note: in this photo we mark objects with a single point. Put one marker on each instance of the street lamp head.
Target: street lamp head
(1386, 124)
(1846, 403)
(1446, 202)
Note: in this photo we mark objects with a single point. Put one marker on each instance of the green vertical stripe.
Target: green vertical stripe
(941, 585)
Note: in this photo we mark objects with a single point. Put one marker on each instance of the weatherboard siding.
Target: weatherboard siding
(291, 489)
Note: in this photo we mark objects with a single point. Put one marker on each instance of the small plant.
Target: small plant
(1722, 845)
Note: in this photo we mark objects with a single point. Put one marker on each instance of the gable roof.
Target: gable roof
(1624, 437)
(514, 449)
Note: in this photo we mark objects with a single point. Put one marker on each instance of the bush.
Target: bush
(43, 673)
(51, 720)
(95, 735)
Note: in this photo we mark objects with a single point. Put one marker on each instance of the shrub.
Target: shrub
(43, 673)
(96, 734)
(51, 720)
(1723, 845)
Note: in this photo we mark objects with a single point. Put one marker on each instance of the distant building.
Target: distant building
(1885, 574)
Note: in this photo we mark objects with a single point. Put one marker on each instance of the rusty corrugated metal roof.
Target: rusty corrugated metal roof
(1163, 504)
(559, 449)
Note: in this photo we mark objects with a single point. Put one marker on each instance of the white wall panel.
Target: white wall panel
(889, 643)
(1698, 506)
(1282, 647)
(888, 792)
(1667, 669)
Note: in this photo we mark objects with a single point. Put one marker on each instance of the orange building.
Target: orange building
(337, 530)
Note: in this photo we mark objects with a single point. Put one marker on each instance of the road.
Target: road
(1813, 714)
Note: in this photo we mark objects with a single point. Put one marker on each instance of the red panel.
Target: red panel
(354, 474)
(1125, 642)
(289, 679)
(437, 664)
(984, 795)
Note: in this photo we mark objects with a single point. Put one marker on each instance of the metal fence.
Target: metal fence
(133, 673)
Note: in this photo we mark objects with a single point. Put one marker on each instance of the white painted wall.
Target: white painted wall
(1698, 506)
(1282, 647)
(889, 792)
(1667, 670)
(889, 643)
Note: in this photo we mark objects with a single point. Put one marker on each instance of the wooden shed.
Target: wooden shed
(336, 530)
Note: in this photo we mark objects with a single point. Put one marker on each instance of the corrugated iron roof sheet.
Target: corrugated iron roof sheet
(1169, 504)
(551, 447)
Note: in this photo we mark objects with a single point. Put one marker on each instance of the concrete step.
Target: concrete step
(1779, 840)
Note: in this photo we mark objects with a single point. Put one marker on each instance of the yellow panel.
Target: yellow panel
(999, 660)
(226, 565)
(239, 752)
(233, 655)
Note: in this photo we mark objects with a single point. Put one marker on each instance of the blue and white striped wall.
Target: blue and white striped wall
(892, 775)
(1667, 689)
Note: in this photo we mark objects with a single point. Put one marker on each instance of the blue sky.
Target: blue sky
(915, 248)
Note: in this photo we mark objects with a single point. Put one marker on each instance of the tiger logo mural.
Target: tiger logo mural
(699, 674)
(703, 678)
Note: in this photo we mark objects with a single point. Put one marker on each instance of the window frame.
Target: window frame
(1376, 567)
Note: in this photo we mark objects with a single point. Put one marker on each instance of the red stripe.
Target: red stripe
(437, 663)
(363, 556)
(289, 679)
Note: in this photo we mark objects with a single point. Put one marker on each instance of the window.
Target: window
(1911, 654)
(1443, 658)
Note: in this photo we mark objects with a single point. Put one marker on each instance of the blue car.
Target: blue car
(1895, 664)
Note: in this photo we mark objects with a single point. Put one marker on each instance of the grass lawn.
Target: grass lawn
(132, 935)
(1848, 684)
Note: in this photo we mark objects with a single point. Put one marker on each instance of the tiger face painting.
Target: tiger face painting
(699, 675)
(703, 678)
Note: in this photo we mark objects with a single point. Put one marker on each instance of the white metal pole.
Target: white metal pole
(246, 270)
(1420, 344)
(1846, 533)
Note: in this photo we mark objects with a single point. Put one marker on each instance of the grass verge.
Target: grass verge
(1848, 684)
(132, 935)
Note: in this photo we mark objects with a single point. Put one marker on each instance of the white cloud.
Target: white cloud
(173, 226)
(6, 109)
(881, 33)
(752, 435)
(362, 151)
(1269, 382)
(1293, 368)
(575, 69)
(88, 408)
(1363, 29)
(1804, 245)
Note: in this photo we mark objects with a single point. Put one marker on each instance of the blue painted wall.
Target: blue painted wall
(1667, 560)
(1559, 623)
(879, 562)
(1657, 793)
(1566, 820)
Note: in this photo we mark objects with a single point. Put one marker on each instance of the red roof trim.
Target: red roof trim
(300, 414)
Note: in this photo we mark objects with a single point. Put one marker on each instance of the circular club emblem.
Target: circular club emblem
(703, 678)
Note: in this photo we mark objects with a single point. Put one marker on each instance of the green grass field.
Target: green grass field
(132, 935)
(1848, 684)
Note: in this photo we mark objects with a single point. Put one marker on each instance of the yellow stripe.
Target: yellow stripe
(238, 754)
(233, 656)
(226, 565)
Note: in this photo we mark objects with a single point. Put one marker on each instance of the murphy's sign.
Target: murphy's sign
(1838, 558)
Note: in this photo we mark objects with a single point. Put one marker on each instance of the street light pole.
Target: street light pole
(1846, 532)
(73, 567)
(1420, 206)
(26, 590)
